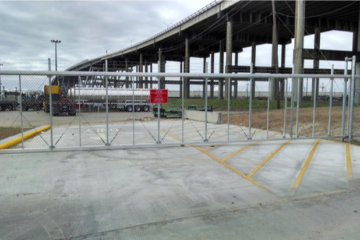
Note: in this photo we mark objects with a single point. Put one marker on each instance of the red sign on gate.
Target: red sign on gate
(158, 96)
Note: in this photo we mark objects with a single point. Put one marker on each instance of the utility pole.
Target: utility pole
(56, 42)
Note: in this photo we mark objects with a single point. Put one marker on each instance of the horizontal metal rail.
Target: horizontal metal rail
(185, 75)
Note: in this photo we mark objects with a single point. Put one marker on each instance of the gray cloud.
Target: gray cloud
(86, 28)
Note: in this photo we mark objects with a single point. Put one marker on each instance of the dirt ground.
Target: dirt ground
(8, 132)
(276, 121)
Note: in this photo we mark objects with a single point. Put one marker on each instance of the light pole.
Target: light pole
(56, 42)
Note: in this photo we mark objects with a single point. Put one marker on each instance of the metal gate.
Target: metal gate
(204, 117)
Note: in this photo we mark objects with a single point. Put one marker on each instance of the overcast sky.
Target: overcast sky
(87, 29)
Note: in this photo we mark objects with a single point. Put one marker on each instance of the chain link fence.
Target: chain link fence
(107, 109)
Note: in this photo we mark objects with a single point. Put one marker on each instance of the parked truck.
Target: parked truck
(60, 104)
(119, 99)
(33, 100)
(9, 101)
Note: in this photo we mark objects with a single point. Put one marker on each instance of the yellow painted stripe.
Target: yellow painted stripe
(348, 163)
(301, 174)
(221, 144)
(233, 169)
(18, 140)
(178, 139)
(242, 149)
(267, 159)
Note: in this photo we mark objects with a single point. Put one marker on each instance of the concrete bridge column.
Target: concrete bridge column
(204, 71)
(212, 80)
(356, 47)
(229, 30)
(161, 68)
(315, 81)
(236, 81)
(141, 85)
(146, 78)
(221, 70)
(299, 45)
(253, 61)
(137, 78)
(151, 80)
(187, 68)
(274, 86)
(127, 85)
(180, 85)
(282, 81)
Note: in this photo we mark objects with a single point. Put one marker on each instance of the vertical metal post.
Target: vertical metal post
(293, 82)
(314, 111)
(344, 99)
(133, 108)
(79, 111)
(250, 100)
(51, 109)
(268, 109)
(298, 107)
(107, 105)
(331, 99)
(206, 102)
(349, 101)
(21, 115)
(285, 107)
(182, 109)
(228, 110)
(159, 69)
(352, 96)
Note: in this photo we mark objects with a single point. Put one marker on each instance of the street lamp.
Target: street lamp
(56, 42)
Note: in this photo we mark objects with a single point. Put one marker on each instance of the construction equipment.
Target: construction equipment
(60, 104)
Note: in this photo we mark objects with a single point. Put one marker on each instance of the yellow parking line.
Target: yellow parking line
(221, 144)
(301, 174)
(348, 163)
(242, 149)
(178, 139)
(232, 169)
(267, 159)
(173, 127)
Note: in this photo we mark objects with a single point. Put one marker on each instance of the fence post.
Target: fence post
(344, 99)
(228, 110)
(297, 108)
(331, 97)
(79, 111)
(285, 107)
(314, 113)
(182, 109)
(250, 100)
(352, 97)
(206, 102)
(293, 82)
(21, 114)
(107, 105)
(268, 110)
(51, 109)
(159, 85)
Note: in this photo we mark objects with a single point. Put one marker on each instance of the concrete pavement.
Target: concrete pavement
(273, 190)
